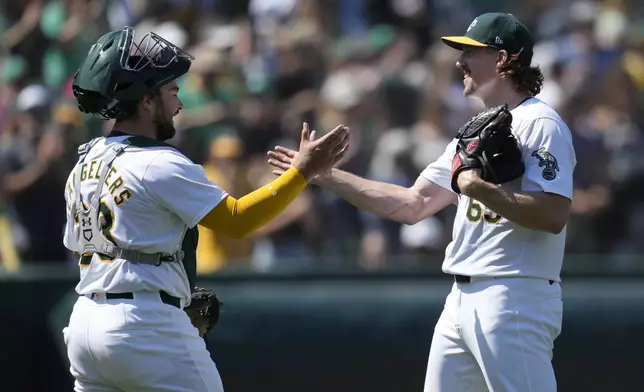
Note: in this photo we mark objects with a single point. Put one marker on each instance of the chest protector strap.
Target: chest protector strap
(92, 222)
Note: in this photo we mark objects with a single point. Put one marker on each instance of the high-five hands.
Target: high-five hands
(315, 157)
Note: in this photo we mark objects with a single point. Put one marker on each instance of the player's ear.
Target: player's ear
(502, 57)
(146, 102)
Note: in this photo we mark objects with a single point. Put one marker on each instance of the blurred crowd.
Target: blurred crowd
(264, 66)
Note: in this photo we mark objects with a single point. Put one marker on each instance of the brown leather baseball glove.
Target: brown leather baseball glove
(203, 310)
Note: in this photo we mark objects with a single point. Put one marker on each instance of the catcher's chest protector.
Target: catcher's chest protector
(87, 215)
(89, 218)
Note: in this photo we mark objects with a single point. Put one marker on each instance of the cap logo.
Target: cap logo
(498, 41)
(472, 24)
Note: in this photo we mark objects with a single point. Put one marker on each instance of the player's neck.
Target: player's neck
(507, 94)
(135, 128)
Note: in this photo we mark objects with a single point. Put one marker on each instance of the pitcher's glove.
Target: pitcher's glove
(486, 142)
(203, 310)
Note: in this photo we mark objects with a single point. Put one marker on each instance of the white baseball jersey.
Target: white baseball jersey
(152, 198)
(486, 244)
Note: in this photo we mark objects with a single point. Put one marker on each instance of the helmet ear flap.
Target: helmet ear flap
(89, 102)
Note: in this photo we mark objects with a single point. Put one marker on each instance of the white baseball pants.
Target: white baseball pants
(137, 345)
(496, 335)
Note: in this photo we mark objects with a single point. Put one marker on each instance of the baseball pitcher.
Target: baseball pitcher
(133, 206)
(509, 170)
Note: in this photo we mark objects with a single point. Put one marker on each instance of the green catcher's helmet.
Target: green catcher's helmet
(118, 72)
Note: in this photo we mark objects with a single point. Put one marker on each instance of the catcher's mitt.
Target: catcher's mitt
(486, 142)
(203, 310)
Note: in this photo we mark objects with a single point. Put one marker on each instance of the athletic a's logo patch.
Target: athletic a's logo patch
(472, 24)
(548, 162)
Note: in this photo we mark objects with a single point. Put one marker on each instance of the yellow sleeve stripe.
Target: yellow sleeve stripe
(239, 218)
(8, 253)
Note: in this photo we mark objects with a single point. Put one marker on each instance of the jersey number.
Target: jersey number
(476, 210)
(106, 222)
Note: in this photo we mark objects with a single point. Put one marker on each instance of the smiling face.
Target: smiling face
(169, 105)
(479, 66)
(160, 109)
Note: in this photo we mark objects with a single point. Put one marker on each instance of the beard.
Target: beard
(469, 87)
(479, 91)
(164, 128)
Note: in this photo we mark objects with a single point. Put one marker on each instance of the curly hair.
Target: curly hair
(527, 79)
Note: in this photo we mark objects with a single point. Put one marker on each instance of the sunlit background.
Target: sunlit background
(264, 66)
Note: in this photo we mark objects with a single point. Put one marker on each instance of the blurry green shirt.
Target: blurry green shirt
(60, 63)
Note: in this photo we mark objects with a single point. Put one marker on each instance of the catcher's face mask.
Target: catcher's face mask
(152, 51)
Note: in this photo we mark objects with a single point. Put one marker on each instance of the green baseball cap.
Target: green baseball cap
(499, 31)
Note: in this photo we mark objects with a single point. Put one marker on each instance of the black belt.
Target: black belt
(165, 297)
(468, 279)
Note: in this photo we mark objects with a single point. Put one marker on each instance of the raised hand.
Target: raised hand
(318, 156)
(315, 156)
(281, 159)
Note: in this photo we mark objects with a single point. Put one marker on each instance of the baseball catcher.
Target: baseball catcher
(203, 310)
(486, 143)
(133, 223)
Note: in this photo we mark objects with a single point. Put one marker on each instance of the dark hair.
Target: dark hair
(527, 79)
(129, 110)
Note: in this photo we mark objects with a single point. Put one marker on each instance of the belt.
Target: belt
(468, 279)
(165, 297)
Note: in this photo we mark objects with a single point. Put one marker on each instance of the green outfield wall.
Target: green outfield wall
(347, 332)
